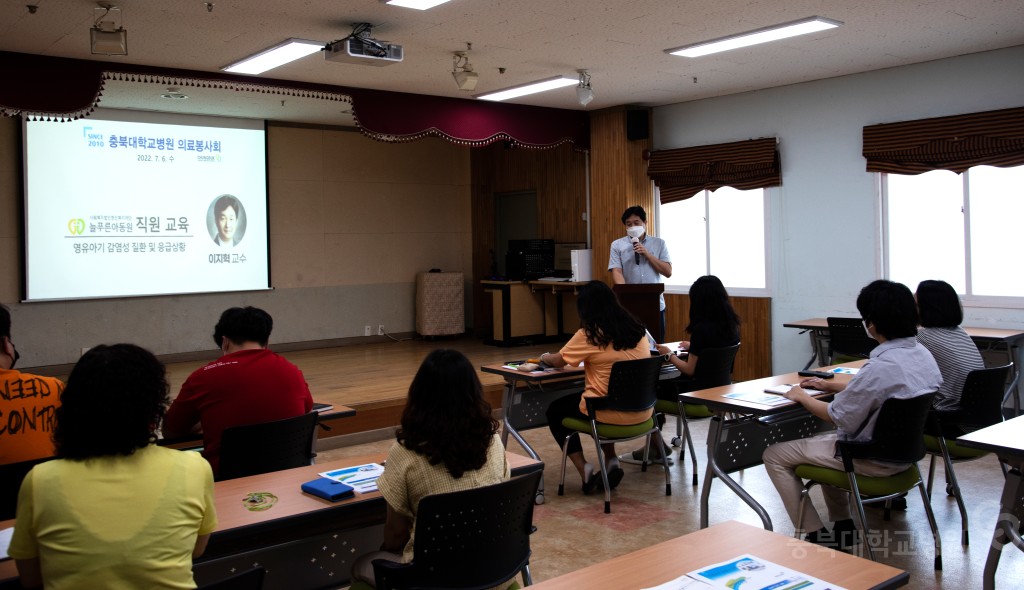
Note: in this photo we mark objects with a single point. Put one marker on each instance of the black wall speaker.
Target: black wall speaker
(638, 124)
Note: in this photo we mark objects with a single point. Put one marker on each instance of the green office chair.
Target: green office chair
(714, 369)
(898, 438)
(981, 405)
(631, 388)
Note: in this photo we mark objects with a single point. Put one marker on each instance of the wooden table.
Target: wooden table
(667, 561)
(287, 528)
(527, 395)
(1007, 341)
(195, 440)
(526, 408)
(737, 443)
(1007, 442)
(560, 316)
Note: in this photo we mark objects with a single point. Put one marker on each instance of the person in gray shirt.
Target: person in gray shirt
(899, 367)
(638, 258)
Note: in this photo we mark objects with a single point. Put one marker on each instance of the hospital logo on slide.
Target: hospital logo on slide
(76, 226)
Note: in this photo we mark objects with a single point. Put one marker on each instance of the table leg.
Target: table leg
(1005, 526)
(1012, 352)
(814, 348)
(506, 404)
(715, 432)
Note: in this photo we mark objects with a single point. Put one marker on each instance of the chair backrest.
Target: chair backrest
(847, 338)
(269, 446)
(473, 539)
(981, 403)
(898, 436)
(632, 386)
(714, 367)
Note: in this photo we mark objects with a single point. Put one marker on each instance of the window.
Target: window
(720, 232)
(960, 228)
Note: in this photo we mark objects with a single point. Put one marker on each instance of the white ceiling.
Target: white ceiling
(621, 42)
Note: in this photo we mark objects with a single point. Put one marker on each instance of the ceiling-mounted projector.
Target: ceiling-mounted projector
(361, 48)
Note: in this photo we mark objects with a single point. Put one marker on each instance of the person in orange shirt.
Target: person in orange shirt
(609, 333)
(27, 404)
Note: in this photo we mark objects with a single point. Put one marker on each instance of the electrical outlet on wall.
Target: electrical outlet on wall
(380, 330)
(366, 331)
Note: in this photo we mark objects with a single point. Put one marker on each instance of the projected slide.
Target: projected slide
(120, 206)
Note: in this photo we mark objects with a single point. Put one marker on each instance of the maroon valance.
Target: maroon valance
(64, 89)
(956, 143)
(684, 172)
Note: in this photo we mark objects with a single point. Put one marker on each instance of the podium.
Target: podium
(644, 301)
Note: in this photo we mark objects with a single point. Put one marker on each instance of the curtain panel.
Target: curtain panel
(684, 172)
(63, 89)
(956, 143)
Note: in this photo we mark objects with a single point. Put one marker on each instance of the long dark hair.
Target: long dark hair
(709, 301)
(446, 418)
(113, 403)
(604, 320)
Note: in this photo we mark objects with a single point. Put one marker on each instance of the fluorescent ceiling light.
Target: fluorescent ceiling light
(275, 56)
(531, 88)
(417, 4)
(772, 33)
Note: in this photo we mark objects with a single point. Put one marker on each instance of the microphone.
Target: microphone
(636, 255)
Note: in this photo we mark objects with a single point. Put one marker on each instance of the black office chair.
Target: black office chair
(269, 446)
(468, 540)
(898, 437)
(847, 340)
(250, 579)
(632, 387)
(714, 368)
(981, 405)
(11, 476)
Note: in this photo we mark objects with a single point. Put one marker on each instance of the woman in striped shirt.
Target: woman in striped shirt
(940, 332)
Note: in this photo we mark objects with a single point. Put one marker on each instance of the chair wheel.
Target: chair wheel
(676, 441)
(539, 499)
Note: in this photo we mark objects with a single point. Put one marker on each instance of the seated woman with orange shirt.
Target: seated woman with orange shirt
(609, 333)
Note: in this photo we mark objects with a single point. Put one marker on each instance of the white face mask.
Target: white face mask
(866, 331)
(635, 231)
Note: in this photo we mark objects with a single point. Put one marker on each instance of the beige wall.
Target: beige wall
(352, 221)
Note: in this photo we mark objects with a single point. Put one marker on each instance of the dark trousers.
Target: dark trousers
(565, 407)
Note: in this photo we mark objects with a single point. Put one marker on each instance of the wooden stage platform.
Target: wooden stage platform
(373, 378)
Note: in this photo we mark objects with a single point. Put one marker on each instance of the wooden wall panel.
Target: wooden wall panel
(558, 176)
(754, 359)
(619, 180)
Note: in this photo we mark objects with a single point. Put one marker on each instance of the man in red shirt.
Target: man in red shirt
(248, 385)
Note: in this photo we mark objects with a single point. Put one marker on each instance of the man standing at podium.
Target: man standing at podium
(638, 258)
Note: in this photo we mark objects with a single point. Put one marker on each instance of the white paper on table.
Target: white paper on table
(844, 370)
(684, 582)
(5, 541)
(765, 399)
(362, 478)
(753, 573)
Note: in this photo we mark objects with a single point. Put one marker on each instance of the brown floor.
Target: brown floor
(573, 531)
